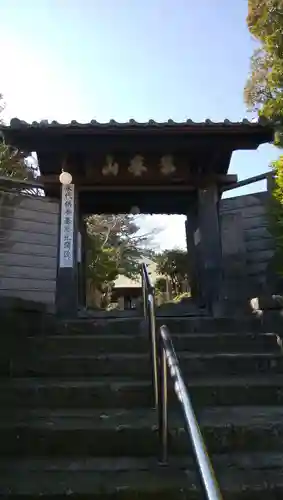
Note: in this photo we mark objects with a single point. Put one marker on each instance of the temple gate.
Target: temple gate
(161, 168)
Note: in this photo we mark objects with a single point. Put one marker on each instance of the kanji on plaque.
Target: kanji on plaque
(67, 226)
(68, 189)
(67, 244)
(67, 255)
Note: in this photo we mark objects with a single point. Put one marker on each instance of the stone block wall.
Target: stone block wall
(248, 246)
(28, 247)
(29, 239)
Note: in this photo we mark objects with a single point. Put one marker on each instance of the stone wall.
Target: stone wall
(29, 237)
(247, 244)
(28, 247)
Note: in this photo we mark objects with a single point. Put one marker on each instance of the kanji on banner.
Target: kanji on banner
(67, 226)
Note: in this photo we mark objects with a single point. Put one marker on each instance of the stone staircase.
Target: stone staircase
(76, 415)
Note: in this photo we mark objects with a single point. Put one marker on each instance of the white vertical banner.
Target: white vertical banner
(67, 226)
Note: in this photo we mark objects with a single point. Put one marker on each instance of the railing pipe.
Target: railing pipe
(164, 358)
(246, 182)
(154, 351)
(144, 295)
(10, 181)
(208, 478)
(163, 406)
(149, 315)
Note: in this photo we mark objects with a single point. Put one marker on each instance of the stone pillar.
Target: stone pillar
(67, 269)
(208, 240)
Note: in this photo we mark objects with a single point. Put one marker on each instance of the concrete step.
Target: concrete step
(211, 325)
(134, 433)
(241, 477)
(139, 343)
(139, 366)
(176, 325)
(110, 392)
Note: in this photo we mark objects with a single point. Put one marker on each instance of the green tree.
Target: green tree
(264, 88)
(264, 94)
(160, 285)
(115, 246)
(276, 217)
(174, 265)
(13, 162)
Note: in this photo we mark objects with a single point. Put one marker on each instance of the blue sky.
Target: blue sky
(122, 59)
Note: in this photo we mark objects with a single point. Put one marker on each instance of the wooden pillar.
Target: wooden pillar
(83, 264)
(209, 242)
(191, 225)
(67, 269)
(80, 266)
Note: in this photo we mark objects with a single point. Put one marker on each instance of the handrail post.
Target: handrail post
(154, 351)
(163, 406)
(144, 295)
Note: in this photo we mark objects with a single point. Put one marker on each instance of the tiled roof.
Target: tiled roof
(15, 123)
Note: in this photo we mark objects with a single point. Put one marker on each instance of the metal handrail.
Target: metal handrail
(164, 359)
(10, 181)
(149, 316)
(169, 360)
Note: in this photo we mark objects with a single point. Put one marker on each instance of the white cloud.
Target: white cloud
(172, 230)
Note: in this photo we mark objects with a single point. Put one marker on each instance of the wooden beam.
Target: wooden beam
(191, 182)
(133, 188)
